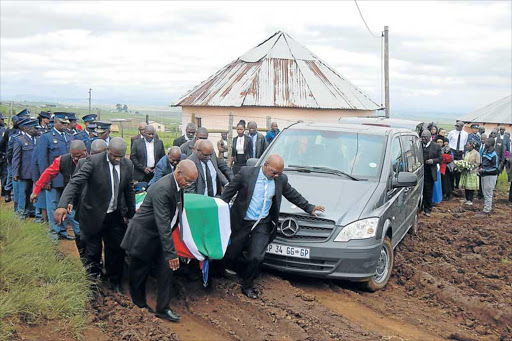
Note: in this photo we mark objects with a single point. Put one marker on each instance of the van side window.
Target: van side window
(411, 153)
(397, 163)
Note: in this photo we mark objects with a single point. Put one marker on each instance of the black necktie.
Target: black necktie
(208, 180)
(116, 185)
(458, 141)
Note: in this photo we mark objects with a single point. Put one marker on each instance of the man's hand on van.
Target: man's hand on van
(429, 161)
(317, 208)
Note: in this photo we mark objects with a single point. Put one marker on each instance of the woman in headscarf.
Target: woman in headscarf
(447, 159)
(469, 177)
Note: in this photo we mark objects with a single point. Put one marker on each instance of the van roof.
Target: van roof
(352, 128)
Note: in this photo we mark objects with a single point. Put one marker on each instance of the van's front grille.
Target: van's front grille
(311, 228)
(299, 263)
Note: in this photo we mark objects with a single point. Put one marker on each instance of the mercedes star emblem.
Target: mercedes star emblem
(289, 227)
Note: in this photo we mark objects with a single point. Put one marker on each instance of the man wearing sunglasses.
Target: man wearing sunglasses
(211, 172)
(255, 215)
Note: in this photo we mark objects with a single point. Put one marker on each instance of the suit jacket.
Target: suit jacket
(23, 147)
(138, 156)
(135, 138)
(179, 141)
(501, 146)
(261, 144)
(247, 147)
(433, 151)
(199, 186)
(93, 178)
(151, 228)
(244, 183)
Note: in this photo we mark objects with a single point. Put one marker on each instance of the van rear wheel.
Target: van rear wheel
(384, 267)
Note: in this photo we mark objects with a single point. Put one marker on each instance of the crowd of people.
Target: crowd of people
(67, 176)
(461, 161)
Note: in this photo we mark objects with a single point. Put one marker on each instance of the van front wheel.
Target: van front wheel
(384, 267)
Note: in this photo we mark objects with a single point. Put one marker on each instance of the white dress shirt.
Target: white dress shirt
(240, 145)
(150, 153)
(453, 136)
(173, 221)
(111, 207)
(213, 173)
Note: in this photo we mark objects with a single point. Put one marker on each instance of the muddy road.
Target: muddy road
(451, 281)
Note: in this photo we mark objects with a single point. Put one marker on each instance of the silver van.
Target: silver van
(370, 180)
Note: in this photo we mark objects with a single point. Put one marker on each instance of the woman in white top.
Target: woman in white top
(241, 150)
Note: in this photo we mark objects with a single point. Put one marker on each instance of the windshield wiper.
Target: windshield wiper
(325, 170)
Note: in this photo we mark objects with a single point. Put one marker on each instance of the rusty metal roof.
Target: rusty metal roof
(279, 72)
(496, 112)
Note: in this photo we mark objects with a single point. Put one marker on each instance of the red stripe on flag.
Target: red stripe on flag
(180, 246)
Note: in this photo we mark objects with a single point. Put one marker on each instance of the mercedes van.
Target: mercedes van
(368, 177)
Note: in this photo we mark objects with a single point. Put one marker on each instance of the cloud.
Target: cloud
(155, 51)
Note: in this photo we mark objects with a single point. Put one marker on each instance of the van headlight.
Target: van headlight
(361, 229)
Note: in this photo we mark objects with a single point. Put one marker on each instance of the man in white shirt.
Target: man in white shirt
(457, 139)
(144, 154)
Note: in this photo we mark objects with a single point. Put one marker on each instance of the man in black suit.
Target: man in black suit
(211, 172)
(259, 143)
(432, 156)
(148, 239)
(140, 135)
(188, 147)
(255, 214)
(190, 132)
(107, 203)
(145, 154)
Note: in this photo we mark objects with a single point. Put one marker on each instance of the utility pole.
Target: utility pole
(386, 71)
(90, 100)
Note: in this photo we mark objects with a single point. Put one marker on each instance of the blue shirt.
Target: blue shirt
(260, 204)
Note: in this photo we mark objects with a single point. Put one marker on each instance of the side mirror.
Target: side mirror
(405, 179)
(252, 162)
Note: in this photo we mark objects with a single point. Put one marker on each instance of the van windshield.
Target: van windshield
(357, 155)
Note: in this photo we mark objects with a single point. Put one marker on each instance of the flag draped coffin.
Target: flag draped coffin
(205, 228)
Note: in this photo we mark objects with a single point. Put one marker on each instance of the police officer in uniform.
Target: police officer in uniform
(103, 130)
(55, 143)
(23, 147)
(85, 135)
(44, 121)
(3, 163)
(11, 183)
(72, 129)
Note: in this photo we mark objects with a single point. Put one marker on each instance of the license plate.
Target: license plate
(290, 251)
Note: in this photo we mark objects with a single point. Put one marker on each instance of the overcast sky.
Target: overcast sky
(445, 56)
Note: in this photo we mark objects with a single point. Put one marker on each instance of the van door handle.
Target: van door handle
(407, 189)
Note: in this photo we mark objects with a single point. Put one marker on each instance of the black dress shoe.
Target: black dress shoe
(66, 237)
(169, 315)
(250, 293)
(148, 308)
(8, 198)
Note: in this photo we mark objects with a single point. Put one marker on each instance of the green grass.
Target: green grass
(503, 185)
(37, 283)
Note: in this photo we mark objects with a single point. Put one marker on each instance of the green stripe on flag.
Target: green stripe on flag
(204, 227)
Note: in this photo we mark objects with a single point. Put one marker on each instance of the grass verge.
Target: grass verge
(37, 284)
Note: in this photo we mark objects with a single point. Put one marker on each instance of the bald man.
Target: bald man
(149, 239)
(167, 164)
(145, 153)
(211, 178)
(140, 135)
(106, 205)
(255, 215)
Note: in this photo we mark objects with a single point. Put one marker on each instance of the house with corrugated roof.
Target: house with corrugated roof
(280, 79)
(491, 116)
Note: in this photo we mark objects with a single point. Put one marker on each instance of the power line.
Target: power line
(361, 14)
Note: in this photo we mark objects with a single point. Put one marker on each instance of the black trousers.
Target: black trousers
(455, 176)
(428, 191)
(510, 193)
(470, 194)
(446, 184)
(3, 173)
(247, 250)
(111, 234)
(139, 272)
